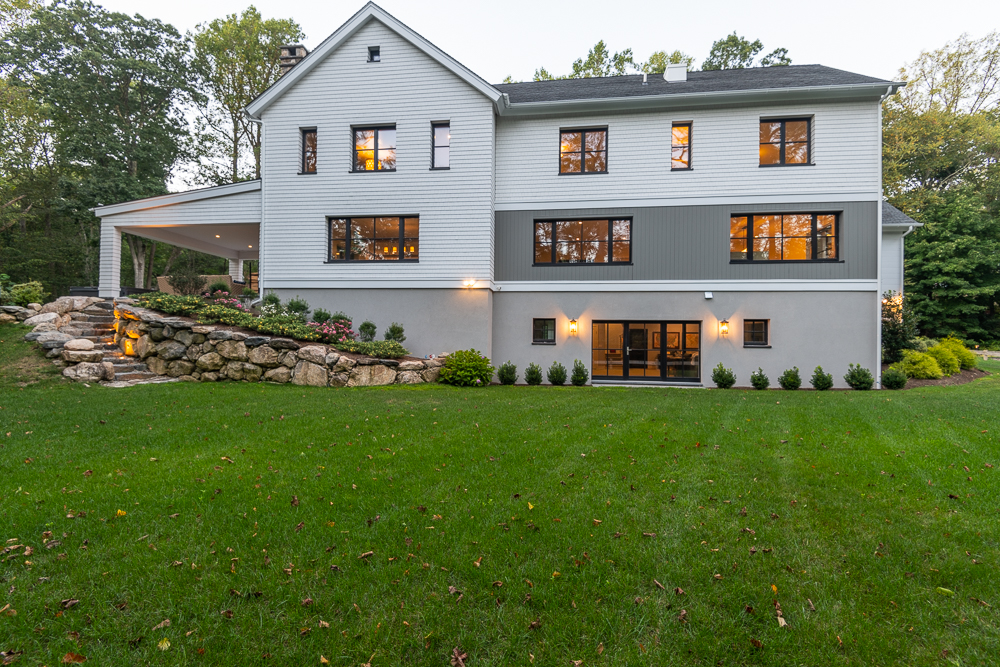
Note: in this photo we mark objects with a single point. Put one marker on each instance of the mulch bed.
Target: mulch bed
(962, 377)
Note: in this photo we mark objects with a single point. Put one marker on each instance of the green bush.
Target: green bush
(25, 293)
(556, 374)
(272, 299)
(170, 303)
(298, 307)
(533, 374)
(859, 378)
(899, 326)
(218, 286)
(723, 377)
(790, 379)
(507, 373)
(921, 343)
(248, 293)
(320, 316)
(466, 368)
(821, 381)
(918, 365)
(893, 378)
(394, 332)
(186, 281)
(383, 349)
(946, 359)
(367, 331)
(966, 358)
(759, 380)
(580, 374)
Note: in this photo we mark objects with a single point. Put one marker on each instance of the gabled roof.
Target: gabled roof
(177, 198)
(893, 217)
(369, 12)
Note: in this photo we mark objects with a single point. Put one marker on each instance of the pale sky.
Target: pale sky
(494, 39)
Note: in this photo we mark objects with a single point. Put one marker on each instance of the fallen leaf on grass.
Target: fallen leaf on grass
(600, 649)
(164, 644)
(366, 554)
(679, 591)
(165, 623)
(307, 602)
(682, 617)
(9, 657)
(298, 528)
(478, 561)
(295, 501)
(597, 522)
(756, 643)
(811, 607)
(781, 619)
(323, 661)
(228, 613)
(535, 624)
(649, 534)
(324, 624)
(458, 657)
(945, 591)
(73, 658)
(659, 585)
(69, 603)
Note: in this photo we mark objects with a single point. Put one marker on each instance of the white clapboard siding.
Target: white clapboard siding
(406, 89)
(846, 151)
(243, 207)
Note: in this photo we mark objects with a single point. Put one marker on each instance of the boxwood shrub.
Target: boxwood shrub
(918, 365)
(966, 359)
(893, 378)
(533, 374)
(556, 374)
(859, 378)
(467, 368)
(507, 373)
(723, 377)
(821, 381)
(759, 379)
(790, 379)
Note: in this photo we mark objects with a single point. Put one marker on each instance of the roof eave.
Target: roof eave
(872, 91)
(177, 198)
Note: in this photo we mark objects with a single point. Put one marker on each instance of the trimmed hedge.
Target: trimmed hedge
(945, 358)
(918, 365)
(966, 359)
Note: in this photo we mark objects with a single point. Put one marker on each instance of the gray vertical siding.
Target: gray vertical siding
(688, 243)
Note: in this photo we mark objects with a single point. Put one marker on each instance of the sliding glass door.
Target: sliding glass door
(647, 351)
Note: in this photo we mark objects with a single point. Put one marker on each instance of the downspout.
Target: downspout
(260, 236)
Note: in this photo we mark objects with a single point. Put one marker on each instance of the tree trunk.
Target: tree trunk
(137, 246)
(175, 252)
(147, 282)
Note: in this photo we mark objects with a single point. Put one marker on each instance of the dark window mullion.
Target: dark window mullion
(348, 243)
(400, 254)
(375, 150)
(782, 144)
(815, 236)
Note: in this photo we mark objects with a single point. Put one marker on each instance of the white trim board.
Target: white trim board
(178, 198)
(743, 200)
(594, 286)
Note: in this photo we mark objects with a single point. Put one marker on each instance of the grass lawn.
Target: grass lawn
(273, 525)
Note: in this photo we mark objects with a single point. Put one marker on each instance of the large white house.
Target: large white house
(651, 226)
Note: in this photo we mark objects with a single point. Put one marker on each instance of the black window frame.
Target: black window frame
(583, 150)
(809, 141)
(374, 54)
(609, 219)
(690, 127)
(766, 331)
(330, 259)
(534, 331)
(354, 148)
(435, 126)
(302, 161)
(813, 238)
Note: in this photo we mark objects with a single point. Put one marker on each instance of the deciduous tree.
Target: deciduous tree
(735, 52)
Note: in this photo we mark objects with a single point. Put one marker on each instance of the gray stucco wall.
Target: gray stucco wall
(436, 321)
(688, 243)
(808, 329)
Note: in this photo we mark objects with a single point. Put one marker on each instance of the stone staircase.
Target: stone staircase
(96, 323)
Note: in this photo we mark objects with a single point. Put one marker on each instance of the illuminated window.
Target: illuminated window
(784, 142)
(308, 151)
(440, 146)
(374, 239)
(680, 146)
(543, 331)
(583, 241)
(375, 149)
(783, 237)
(755, 333)
(583, 152)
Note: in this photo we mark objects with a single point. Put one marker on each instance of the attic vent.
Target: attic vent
(676, 72)
(291, 55)
(373, 54)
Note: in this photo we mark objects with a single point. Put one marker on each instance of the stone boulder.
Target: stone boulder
(411, 366)
(156, 334)
(169, 350)
(310, 374)
(78, 356)
(339, 379)
(280, 374)
(7, 318)
(254, 341)
(241, 370)
(42, 318)
(284, 344)
(409, 377)
(157, 365)
(203, 329)
(35, 306)
(179, 367)
(79, 344)
(231, 349)
(371, 376)
(53, 339)
(59, 306)
(263, 355)
(144, 346)
(332, 358)
(210, 362)
(88, 372)
(220, 335)
(188, 337)
(343, 365)
(432, 374)
(313, 354)
(288, 358)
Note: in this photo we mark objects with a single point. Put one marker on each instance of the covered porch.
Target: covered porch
(223, 221)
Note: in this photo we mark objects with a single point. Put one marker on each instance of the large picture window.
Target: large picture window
(374, 239)
(784, 142)
(583, 241)
(375, 149)
(783, 237)
(583, 151)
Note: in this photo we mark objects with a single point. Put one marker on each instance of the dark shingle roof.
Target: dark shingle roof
(892, 216)
(755, 78)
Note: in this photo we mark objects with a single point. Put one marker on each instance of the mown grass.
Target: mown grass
(856, 501)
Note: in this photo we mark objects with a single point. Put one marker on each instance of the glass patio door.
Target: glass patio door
(646, 351)
(645, 354)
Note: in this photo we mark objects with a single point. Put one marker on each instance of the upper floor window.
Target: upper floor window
(784, 142)
(374, 239)
(583, 151)
(308, 151)
(375, 149)
(583, 241)
(441, 145)
(374, 54)
(783, 237)
(680, 146)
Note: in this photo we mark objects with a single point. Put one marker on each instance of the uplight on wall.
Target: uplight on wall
(574, 327)
(470, 283)
(724, 328)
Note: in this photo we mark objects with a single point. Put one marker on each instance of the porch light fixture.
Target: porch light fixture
(470, 283)
(573, 327)
(724, 328)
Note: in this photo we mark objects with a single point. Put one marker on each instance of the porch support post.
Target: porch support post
(111, 261)
(236, 269)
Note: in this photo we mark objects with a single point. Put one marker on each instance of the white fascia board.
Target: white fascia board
(872, 91)
(177, 198)
(367, 13)
(736, 200)
(720, 286)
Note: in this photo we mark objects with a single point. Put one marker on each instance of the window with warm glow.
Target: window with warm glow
(543, 331)
(308, 151)
(441, 146)
(680, 146)
(375, 149)
(583, 151)
(783, 237)
(583, 241)
(784, 142)
(374, 239)
(755, 333)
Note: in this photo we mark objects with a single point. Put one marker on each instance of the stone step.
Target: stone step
(126, 368)
(104, 308)
(129, 377)
(96, 319)
(85, 332)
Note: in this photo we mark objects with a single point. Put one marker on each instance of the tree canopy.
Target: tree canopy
(735, 52)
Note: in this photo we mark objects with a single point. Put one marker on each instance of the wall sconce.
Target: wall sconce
(724, 328)
(573, 328)
(470, 283)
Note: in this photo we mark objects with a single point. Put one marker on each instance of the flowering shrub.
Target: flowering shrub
(383, 349)
(334, 331)
(467, 368)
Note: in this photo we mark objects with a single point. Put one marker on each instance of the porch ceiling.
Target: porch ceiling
(230, 240)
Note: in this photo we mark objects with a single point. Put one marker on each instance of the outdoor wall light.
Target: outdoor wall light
(470, 283)
(573, 328)
(724, 328)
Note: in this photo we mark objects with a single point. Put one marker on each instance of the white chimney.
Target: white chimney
(676, 72)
